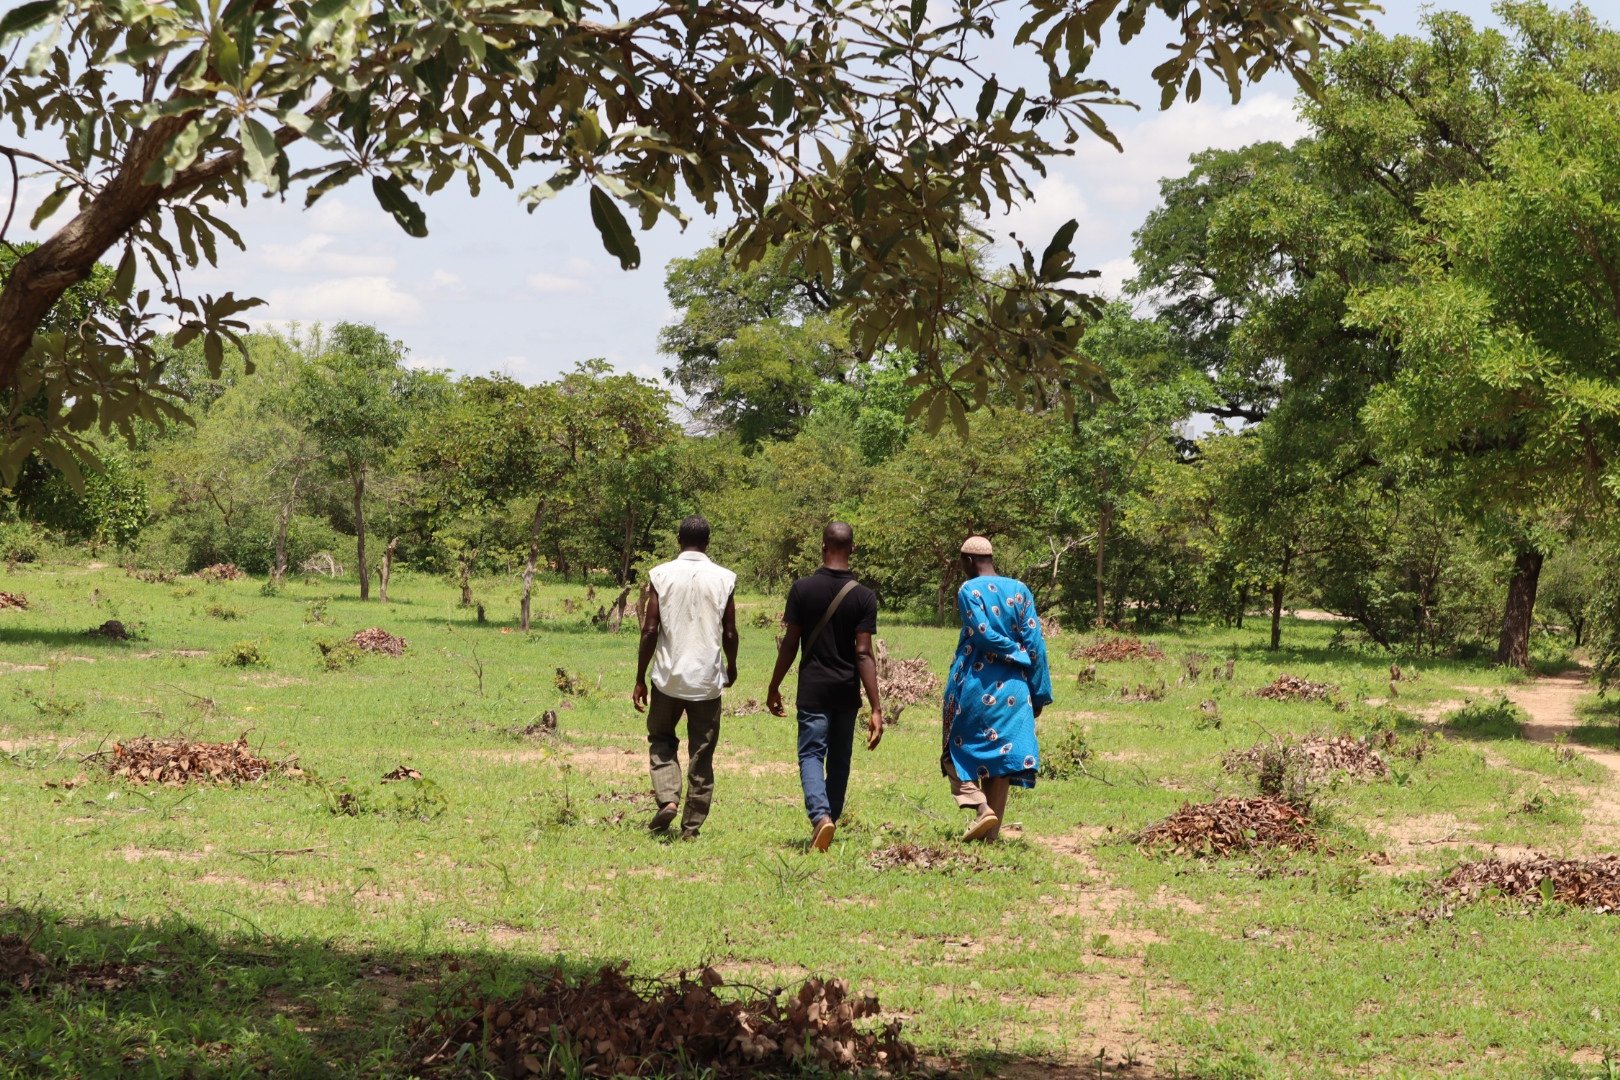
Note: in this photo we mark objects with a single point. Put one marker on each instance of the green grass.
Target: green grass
(273, 936)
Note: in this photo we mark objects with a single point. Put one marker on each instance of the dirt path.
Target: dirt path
(1551, 704)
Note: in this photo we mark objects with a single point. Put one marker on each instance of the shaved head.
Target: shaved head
(838, 537)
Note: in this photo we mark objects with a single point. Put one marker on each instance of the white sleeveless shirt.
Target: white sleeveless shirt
(692, 595)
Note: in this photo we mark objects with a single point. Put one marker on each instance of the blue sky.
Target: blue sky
(493, 288)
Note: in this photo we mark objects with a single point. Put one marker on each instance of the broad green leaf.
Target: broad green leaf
(391, 196)
(260, 153)
(617, 238)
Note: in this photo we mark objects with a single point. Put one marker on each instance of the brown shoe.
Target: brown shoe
(982, 828)
(666, 814)
(821, 839)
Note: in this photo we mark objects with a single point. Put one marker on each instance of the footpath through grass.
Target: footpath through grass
(295, 926)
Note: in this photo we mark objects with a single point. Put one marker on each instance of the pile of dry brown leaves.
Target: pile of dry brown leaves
(904, 683)
(612, 1028)
(1112, 649)
(909, 856)
(112, 630)
(13, 600)
(224, 571)
(1319, 756)
(1231, 827)
(401, 772)
(1294, 688)
(376, 639)
(151, 577)
(177, 761)
(1592, 883)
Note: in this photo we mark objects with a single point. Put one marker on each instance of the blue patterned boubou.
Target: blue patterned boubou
(998, 680)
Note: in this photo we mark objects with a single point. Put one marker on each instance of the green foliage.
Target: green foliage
(338, 654)
(245, 653)
(415, 800)
(830, 133)
(1065, 756)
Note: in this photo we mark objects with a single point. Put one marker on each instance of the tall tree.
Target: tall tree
(353, 402)
(837, 132)
(1507, 314)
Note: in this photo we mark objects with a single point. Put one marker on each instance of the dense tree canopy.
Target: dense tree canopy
(857, 138)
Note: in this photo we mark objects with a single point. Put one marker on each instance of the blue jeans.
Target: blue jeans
(825, 742)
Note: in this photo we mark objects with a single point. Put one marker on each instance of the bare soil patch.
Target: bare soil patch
(621, 1027)
(1231, 827)
(10, 668)
(1591, 883)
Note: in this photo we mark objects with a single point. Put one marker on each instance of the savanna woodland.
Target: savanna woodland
(317, 755)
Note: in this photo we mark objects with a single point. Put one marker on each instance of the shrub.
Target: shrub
(1067, 755)
(338, 655)
(223, 613)
(240, 654)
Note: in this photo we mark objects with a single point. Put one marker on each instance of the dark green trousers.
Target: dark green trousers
(663, 746)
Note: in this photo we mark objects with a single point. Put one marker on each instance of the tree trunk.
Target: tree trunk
(466, 559)
(1103, 523)
(1243, 603)
(1276, 615)
(942, 599)
(39, 279)
(627, 552)
(1580, 625)
(282, 521)
(530, 566)
(386, 569)
(358, 473)
(1513, 649)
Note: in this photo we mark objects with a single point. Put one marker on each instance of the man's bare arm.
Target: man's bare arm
(866, 664)
(650, 622)
(785, 653)
(729, 638)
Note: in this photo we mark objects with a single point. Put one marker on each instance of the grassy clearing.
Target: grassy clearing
(282, 928)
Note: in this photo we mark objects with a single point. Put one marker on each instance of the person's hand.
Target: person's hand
(874, 729)
(638, 697)
(773, 701)
(731, 676)
(945, 764)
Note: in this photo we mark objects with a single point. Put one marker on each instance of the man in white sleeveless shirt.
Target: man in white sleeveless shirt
(689, 635)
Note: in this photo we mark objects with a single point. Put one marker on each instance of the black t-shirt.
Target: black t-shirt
(828, 677)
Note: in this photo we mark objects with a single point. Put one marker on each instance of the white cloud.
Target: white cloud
(445, 281)
(553, 284)
(314, 254)
(1056, 200)
(365, 297)
(1112, 276)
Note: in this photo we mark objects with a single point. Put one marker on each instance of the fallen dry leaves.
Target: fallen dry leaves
(612, 1028)
(1114, 649)
(903, 683)
(24, 968)
(1231, 827)
(917, 857)
(1319, 756)
(13, 600)
(1294, 688)
(376, 639)
(224, 571)
(176, 761)
(1592, 883)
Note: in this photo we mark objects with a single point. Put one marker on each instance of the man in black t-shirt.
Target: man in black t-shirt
(838, 660)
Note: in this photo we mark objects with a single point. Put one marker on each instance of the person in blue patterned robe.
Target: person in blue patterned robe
(998, 685)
